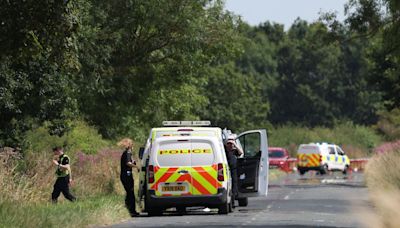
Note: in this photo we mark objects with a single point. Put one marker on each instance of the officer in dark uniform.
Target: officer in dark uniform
(64, 176)
(232, 153)
(127, 163)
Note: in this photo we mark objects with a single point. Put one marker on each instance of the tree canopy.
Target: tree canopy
(124, 66)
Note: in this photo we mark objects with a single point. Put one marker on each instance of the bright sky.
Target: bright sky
(284, 12)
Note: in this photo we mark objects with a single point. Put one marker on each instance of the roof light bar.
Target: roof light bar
(186, 123)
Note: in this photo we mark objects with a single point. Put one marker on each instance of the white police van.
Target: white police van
(322, 157)
(184, 164)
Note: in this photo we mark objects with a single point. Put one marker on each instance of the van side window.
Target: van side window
(331, 150)
(251, 145)
(340, 151)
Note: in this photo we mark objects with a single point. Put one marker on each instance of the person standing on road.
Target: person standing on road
(126, 176)
(232, 153)
(64, 175)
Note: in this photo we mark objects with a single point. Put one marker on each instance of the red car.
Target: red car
(278, 157)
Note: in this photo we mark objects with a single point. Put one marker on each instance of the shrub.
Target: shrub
(389, 124)
(81, 137)
(388, 147)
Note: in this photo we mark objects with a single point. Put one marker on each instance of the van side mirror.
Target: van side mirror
(141, 151)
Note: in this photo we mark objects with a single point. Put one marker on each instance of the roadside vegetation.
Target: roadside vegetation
(383, 180)
(26, 183)
(356, 140)
(83, 74)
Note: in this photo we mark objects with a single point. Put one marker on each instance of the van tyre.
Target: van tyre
(324, 169)
(154, 211)
(243, 202)
(345, 170)
(302, 172)
(223, 209)
(231, 203)
(181, 210)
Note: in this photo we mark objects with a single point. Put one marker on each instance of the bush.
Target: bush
(389, 124)
(81, 137)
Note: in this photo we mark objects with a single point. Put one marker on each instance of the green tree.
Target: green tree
(321, 80)
(235, 100)
(145, 61)
(379, 21)
(37, 58)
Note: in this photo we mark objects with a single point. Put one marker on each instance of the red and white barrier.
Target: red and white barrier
(356, 165)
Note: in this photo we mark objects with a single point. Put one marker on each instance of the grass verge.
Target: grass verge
(97, 210)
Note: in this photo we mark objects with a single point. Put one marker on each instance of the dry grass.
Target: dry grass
(383, 180)
(25, 187)
(25, 190)
(92, 174)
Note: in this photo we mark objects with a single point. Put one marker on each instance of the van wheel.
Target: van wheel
(230, 209)
(345, 170)
(154, 211)
(181, 210)
(302, 172)
(223, 209)
(324, 169)
(243, 202)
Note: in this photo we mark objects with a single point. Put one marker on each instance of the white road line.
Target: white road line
(286, 197)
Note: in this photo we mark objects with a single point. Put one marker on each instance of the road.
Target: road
(293, 201)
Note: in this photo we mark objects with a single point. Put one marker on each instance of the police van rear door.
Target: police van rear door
(185, 166)
(253, 166)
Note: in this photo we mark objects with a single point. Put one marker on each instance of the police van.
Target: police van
(322, 157)
(184, 165)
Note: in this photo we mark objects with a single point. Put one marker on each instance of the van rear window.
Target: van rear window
(173, 153)
(308, 150)
(202, 153)
(185, 153)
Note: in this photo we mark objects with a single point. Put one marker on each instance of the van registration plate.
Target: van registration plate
(173, 188)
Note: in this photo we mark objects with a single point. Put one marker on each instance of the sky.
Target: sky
(284, 12)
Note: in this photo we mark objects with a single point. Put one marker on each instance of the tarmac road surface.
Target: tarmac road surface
(311, 200)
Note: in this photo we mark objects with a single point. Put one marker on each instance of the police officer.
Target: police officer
(126, 176)
(232, 153)
(64, 176)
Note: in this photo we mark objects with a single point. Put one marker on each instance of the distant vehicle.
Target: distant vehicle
(278, 158)
(322, 157)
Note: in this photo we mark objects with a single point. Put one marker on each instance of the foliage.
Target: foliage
(37, 59)
(236, 100)
(81, 137)
(320, 80)
(388, 147)
(379, 21)
(389, 124)
(141, 57)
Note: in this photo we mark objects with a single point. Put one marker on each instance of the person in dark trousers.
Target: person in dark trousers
(64, 175)
(126, 176)
(232, 153)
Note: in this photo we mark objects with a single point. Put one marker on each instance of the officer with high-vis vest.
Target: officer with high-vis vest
(63, 173)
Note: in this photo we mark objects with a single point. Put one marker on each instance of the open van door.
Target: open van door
(253, 167)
